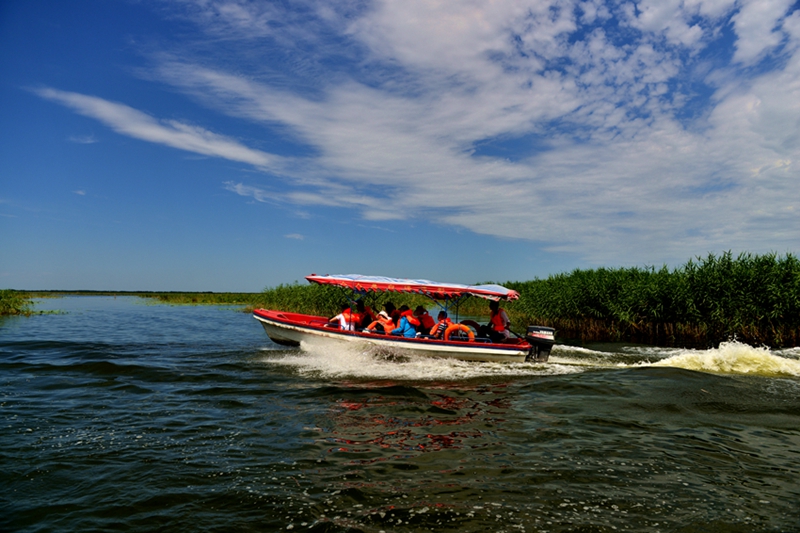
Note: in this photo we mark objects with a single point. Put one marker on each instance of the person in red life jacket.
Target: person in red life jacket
(438, 329)
(497, 329)
(347, 319)
(426, 321)
(366, 314)
(407, 327)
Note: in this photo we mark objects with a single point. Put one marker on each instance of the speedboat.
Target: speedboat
(295, 329)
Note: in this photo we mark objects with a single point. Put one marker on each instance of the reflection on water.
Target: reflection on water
(120, 415)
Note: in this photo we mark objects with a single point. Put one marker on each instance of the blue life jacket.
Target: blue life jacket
(405, 329)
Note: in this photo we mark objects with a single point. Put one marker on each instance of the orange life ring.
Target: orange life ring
(459, 327)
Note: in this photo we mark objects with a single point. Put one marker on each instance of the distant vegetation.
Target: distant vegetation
(210, 298)
(753, 298)
(15, 303)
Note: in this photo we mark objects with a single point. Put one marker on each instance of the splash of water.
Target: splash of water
(346, 361)
(734, 358)
(328, 361)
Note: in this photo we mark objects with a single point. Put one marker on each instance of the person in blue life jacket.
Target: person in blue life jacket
(406, 327)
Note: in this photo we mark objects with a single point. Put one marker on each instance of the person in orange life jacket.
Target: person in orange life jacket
(347, 319)
(383, 321)
(497, 329)
(426, 321)
(438, 329)
(386, 319)
(407, 327)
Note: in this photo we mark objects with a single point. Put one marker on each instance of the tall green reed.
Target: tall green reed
(755, 298)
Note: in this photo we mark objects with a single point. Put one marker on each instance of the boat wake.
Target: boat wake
(736, 358)
(729, 358)
(346, 361)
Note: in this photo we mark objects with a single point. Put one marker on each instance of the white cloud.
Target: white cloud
(295, 236)
(669, 18)
(756, 26)
(83, 139)
(128, 121)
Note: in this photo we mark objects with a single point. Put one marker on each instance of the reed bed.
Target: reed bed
(751, 298)
(15, 303)
(203, 298)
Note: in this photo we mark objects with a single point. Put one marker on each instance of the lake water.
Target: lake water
(123, 415)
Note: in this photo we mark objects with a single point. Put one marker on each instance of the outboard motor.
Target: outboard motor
(541, 340)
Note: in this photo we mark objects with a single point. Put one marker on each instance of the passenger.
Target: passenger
(383, 324)
(497, 329)
(405, 311)
(366, 314)
(347, 319)
(392, 311)
(426, 321)
(438, 329)
(407, 326)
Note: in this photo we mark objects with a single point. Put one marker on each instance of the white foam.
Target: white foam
(328, 361)
(734, 358)
(343, 361)
(564, 348)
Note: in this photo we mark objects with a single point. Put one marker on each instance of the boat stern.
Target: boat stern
(541, 339)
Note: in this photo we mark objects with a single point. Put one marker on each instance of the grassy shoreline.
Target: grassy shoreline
(752, 298)
(15, 303)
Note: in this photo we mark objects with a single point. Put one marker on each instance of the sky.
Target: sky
(230, 145)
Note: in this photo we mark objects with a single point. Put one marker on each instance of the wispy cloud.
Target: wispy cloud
(83, 139)
(134, 123)
(295, 236)
(80, 192)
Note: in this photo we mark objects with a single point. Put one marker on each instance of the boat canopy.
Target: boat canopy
(432, 289)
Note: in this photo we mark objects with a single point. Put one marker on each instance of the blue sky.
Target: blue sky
(231, 145)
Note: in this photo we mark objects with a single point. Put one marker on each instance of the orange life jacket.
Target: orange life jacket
(351, 318)
(387, 324)
(438, 329)
(498, 324)
(410, 318)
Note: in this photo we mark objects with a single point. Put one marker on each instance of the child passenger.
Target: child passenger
(438, 329)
